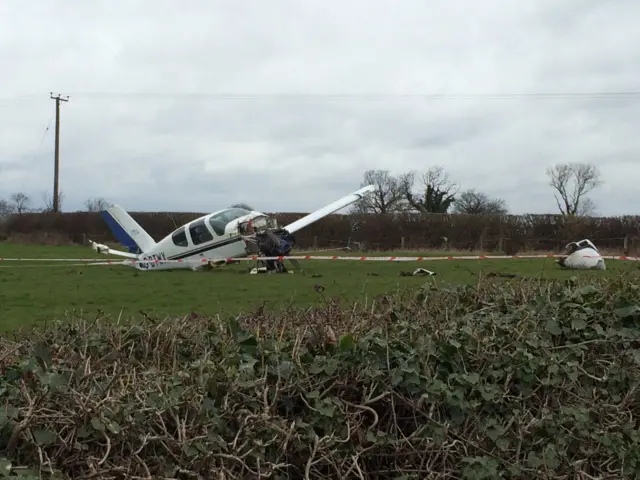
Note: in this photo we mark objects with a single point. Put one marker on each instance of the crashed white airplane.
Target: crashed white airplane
(228, 233)
(582, 255)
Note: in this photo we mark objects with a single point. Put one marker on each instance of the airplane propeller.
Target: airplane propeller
(272, 243)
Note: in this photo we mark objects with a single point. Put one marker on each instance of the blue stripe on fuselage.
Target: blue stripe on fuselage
(121, 235)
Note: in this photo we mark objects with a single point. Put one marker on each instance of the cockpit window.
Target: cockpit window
(199, 232)
(220, 220)
(230, 214)
(217, 226)
(180, 238)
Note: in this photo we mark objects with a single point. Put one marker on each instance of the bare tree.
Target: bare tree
(244, 206)
(473, 202)
(387, 196)
(587, 208)
(435, 194)
(6, 208)
(572, 182)
(20, 202)
(47, 200)
(96, 204)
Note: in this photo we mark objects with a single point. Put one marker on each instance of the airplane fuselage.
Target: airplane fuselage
(215, 236)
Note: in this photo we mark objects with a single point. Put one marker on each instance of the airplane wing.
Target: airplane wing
(329, 209)
(98, 247)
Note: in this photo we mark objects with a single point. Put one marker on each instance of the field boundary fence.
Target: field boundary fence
(398, 232)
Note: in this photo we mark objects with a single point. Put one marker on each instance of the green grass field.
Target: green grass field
(33, 292)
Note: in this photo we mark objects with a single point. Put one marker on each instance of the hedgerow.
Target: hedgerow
(518, 379)
(376, 232)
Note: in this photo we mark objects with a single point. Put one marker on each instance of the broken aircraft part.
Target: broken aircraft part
(582, 255)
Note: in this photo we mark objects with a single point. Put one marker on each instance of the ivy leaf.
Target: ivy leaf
(114, 427)
(285, 368)
(97, 424)
(588, 290)
(552, 327)
(43, 436)
(472, 378)
(578, 324)
(628, 311)
(326, 409)
(42, 354)
(347, 342)
(5, 467)
(396, 377)
(315, 368)
(331, 366)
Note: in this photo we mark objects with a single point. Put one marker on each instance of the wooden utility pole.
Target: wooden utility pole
(56, 168)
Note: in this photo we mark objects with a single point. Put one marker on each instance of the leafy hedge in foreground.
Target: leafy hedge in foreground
(520, 380)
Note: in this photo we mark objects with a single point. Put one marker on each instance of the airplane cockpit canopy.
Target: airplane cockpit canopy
(230, 214)
(219, 220)
(200, 233)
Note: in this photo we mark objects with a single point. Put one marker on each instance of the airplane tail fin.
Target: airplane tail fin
(127, 231)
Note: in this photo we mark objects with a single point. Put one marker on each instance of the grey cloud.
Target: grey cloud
(222, 190)
(185, 150)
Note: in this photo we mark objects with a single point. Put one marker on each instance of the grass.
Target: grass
(34, 292)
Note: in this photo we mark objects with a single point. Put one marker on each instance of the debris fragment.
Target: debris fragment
(504, 275)
(418, 272)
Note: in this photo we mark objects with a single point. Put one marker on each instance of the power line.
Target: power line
(13, 100)
(44, 134)
(363, 96)
(131, 95)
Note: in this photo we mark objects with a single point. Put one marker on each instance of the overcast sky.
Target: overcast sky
(323, 91)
